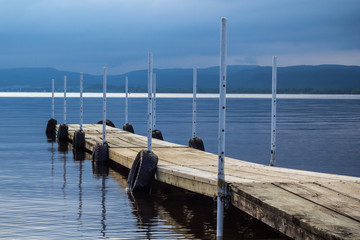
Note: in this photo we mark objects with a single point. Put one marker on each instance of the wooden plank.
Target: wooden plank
(189, 179)
(325, 197)
(125, 140)
(201, 160)
(350, 189)
(123, 156)
(294, 216)
(299, 173)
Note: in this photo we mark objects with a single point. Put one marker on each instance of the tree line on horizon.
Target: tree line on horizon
(329, 79)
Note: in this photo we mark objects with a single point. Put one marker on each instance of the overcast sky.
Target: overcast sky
(85, 35)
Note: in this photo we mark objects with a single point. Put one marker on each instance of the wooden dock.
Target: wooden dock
(300, 204)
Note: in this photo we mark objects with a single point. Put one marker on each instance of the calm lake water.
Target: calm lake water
(46, 194)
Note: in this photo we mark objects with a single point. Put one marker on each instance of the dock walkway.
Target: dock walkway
(300, 204)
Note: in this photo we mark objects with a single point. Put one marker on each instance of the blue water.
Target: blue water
(46, 194)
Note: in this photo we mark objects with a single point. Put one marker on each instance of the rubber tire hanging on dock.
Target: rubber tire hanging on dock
(78, 140)
(51, 126)
(128, 127)
(78, 155)
(100, 154)
(157, 134)
(108, 122)
(142, 172)
(51, 137)
(197, 143)
(63, 132)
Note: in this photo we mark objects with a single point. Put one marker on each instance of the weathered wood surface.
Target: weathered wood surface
(301, 204)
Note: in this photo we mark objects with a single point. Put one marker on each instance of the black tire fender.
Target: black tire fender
(100, 154)
(108, 123)
(157, 134)
(51, 125)
(197, 143)
(78, 140)
(128, 127)
(142, 172)
(63, 132)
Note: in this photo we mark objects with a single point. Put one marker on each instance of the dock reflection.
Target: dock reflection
(190, 214)
(186, 213)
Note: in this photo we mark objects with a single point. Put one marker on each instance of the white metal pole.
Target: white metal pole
(150, 75)
(154, 101)
(52, 98)
(81, 100)
(221, 136)
(194, 102)
(64, 99)
(126, 100)
(273, 112)
(104, 106)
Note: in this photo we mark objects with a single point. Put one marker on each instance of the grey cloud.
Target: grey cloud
(71, 33)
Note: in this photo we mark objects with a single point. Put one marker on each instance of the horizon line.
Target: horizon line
(144, 69)
(178, 95)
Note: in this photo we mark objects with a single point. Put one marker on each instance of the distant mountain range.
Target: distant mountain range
(240, 78)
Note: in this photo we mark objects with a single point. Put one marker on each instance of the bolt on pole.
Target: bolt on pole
(154, 101)
(221, 136)
(52, 98)
(81, 100)
(273, 112)
(126, 100)
(65, 99)
(149, 117)
(194, 102)
(104, 107)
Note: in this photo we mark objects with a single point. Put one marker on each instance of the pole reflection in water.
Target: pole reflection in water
(63, 148)
(103, 212)
(79, 156)
(101, 171)
(80, 191)
(64, 175)
(52, 159)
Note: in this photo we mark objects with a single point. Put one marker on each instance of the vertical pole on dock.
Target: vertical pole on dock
(81, 100)
(149, 118)
(104, 107)
(52, 98)
(194, 103)
(126, 100)
(221, 137)
(154, 101)
(64, 99)
(273, 112)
